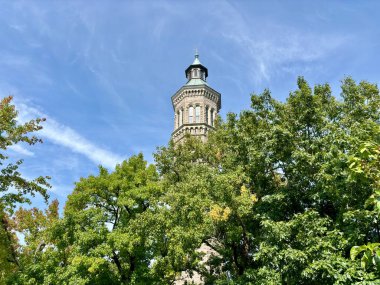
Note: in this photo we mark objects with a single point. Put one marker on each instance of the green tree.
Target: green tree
(293, 160)
(38, 257)
(101, 238)
(365, 166)
(206, 204)
(14, 189)
(281, 193)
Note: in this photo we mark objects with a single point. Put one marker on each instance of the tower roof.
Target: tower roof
(196, 64)
(196, 59)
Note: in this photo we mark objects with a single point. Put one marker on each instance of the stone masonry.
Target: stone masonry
(195, 104)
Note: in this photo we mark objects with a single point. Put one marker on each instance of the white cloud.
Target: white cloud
(270, 47)
(21, 150)
(60, 134)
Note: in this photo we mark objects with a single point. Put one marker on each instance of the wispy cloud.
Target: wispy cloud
(74, 89)
(21, 150)
(60, 134)
(270, 47)
(13, 61)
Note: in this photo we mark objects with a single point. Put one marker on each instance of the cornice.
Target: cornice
(184, 127)
(194, 91)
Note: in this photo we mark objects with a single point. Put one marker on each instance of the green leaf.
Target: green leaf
(376, 261)
(373, 246)
(355, 250)
(364, 261)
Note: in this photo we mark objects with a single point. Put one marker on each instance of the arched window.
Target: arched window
(191, 114)
(197, 114)
(181, 117)
(206, 115)
(212, 117)
(178, 119)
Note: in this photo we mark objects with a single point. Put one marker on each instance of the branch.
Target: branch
(115, 258)
(4, 224)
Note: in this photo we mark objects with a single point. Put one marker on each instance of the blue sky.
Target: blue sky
(103, 72)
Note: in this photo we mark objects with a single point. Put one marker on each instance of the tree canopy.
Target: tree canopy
(282, 193)
(14, 188)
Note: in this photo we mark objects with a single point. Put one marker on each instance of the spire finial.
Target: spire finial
(196, 53)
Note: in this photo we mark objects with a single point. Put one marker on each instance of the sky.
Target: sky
(102, 72)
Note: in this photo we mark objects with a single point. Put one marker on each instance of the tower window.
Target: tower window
(212, 118)
(206, 114)
(178, 119)
(197, 114)
(191, 114)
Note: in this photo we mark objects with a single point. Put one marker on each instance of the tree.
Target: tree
(293, 160)
(14, 189)
(102, 238)
(365, 166)
(37, 257)
(206, 204)
(281, 193)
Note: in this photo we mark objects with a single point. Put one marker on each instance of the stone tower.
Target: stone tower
(195, 104)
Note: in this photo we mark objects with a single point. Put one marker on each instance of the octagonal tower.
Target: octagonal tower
(195, 104)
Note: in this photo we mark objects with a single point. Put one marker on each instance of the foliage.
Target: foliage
(371, 254)
(14, 188)
(365, 165)
(12, 133)
(282, 193)
(101, 240)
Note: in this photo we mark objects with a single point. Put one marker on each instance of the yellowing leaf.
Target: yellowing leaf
(254, 198)
(219, 214)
